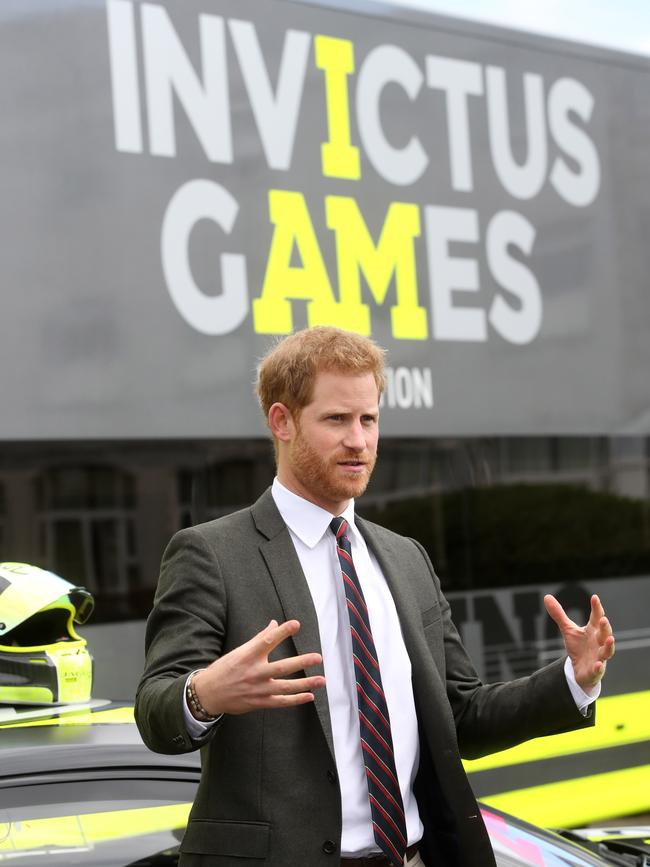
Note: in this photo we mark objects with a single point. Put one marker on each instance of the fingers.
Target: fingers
(604, 629)
(290, 693)
(605, 636)
(271, 636)
(280, 701)
(597, 611)
(286, 693)
(556, 612)
(297, 685)
(243, 679)
(293, 664)
(275, 688)
(279, 687)
(608, 649)
(599, 671)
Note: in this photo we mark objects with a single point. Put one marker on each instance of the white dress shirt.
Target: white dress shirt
(315, 546)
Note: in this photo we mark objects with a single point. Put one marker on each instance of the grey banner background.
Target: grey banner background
(91, 345)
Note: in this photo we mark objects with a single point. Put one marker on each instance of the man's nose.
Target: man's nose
(355, 437)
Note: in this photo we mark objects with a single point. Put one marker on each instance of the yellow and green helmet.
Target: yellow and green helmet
(42, 659)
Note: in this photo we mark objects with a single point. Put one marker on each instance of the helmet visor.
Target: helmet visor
(83, 603)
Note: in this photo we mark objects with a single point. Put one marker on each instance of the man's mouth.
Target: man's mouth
(354, 465)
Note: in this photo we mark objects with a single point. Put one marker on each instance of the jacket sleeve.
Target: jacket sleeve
(185, 631)
(496, 716)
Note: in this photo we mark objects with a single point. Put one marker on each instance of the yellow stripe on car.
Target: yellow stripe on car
(113, 716)
(572, 803)
(620, 719)
(89, 828)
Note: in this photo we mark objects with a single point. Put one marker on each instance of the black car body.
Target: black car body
(78, 787)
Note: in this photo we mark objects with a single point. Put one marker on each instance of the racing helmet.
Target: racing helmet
(42, 659)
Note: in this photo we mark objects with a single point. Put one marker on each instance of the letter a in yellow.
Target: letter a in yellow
(394, 254)
(283, 282)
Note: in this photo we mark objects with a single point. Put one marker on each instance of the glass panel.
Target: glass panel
(97, 487)
(131, 546)
(68, 552)
(105, 554)
(128, 493)
(185, 481)
(95, 822)
(67, 488)
(527, 454)
(574, 454)
(482, 530)
(103, 487)
(133, 576)
(221, 487)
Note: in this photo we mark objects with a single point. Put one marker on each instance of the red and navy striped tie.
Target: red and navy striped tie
(386, 806)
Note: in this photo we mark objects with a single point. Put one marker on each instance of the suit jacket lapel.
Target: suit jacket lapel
(425, 674)
(407, 606)
(292, 589)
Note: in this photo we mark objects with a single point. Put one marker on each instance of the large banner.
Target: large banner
(183, 182)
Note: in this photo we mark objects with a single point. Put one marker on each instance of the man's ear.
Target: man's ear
(281, 422)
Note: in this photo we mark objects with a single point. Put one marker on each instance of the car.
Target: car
(79, 787)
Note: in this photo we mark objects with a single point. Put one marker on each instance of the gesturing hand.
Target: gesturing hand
(589, 647)
(245, 680)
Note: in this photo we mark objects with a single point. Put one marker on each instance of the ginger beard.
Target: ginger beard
(322, 476)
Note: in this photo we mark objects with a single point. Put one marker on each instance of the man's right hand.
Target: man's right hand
(245, 680)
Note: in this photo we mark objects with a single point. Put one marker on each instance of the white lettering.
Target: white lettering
(422, 387)
(577, 188)
(383, 65)
(169, 71)
(125, 88)
(276, 115)
(518, 326)
(522, 181)
(403, 388)
(408, 388)
(218, 314)
(459, 79)
(448, 274)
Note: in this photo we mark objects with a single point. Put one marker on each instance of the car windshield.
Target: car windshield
(94, 822)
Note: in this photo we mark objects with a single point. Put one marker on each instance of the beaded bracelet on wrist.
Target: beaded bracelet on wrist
(193, 701)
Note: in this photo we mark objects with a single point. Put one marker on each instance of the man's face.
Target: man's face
(332, 452)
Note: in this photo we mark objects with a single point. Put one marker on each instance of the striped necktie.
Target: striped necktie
(386, 806)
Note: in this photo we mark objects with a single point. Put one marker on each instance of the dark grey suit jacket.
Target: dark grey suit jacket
(269, 793)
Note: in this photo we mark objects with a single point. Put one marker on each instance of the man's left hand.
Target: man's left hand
(589, 647)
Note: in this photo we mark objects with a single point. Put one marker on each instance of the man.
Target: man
(312, 657)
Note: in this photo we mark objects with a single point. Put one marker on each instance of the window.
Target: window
(86, 530)
(225, 485)
(505, 512)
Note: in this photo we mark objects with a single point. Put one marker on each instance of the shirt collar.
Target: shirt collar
(307, 520)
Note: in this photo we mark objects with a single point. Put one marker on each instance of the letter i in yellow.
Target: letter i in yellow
(340, 159)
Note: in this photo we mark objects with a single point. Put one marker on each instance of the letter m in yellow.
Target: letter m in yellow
(393, 255)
